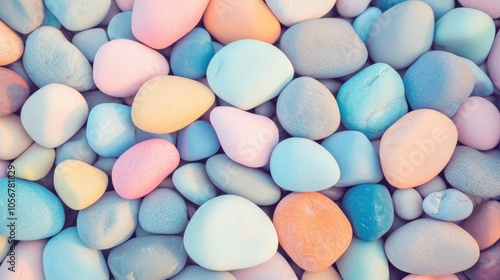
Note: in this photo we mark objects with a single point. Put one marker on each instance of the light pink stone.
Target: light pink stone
(491, 7)
(493, 62)
(28, 262)
(275, 268)
(430, 277)
(352, 8)
(125, 5)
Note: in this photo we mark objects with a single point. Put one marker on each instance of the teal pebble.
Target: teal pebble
(387, 4)
(440, 7)
(192, 272)
(77, 147)
(369, 209)
(39, 213)
(302, 165)
(191, 54)
(23, 16)
(192, 181)
(105, 164)
(120, 27)
(372, 100)
(364, 260)
(357, 158)
(50, 20)
(250, 183)
(217, 46)
(197, 141)
(89, 41)
(77, 15)
(110, 130)
(66, 257)
(163, 211)
(266, 109)
(483, 86)
(148, 257)
(141, 135)
(448, 205)
(364, 22)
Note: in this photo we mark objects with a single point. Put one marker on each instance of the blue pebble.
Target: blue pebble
(77, 147)
(23, 16)
(369, 209)
(192, 272)
(197, 141)
(192, 181)
(266, 109)
(364, 260)
(89, 41)
(387, 4)
(141, 135)
(105, 164)
(77, 15)
(440, 7)
(357, 158)
(120, 26)
(96, 97)
(191, 54)
(110, 130)
(50, 20)
(163, 211)
(364, 22)
(448, 205)
(483, 86)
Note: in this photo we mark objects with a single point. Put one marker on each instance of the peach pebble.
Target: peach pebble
(13, 91)
(484, 224)
(15, 139)
(430, 277)
(28, 261)
(232, 20)
(328, 273)
(11, 45)
(312, 230)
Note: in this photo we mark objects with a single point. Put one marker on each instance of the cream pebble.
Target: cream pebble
(11, 45)
(34, 163)
(15, 139)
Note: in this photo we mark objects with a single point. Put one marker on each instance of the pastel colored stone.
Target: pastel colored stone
(97, 97)
(18, 67)
(334, 193)
(11, 44)
(13, 91)
(41, 214)
(165, 104)
(250, 183)
(372, 100)
(350, 9)
(407, 203)
(122, 66)
(448, 205)
(197, 141)
(312, 230)
(473, 41)
(302, 165)
(493, 62)
(77, 148)
(50, 20)
(275, 268)
(290, 13)
(148, 257)
(23, 16)
(230, 232)
(192, 181)
(386, 4)
(434, 185)
(328, 273)
(440, 7)
(307, 109)
(191, 54)
(246, 138)
(108, 222)
(89, 41)
(159, 24)
(346, 52)
(120, 27)
(491, 7)
(487, 267)
(229, 21)
(66, 256)
(401, 34)
(34, 163)
(357, 159)
(369, 210)
(363, 23)
(125, 5)
(110, 130)
(483, 86)
(163, 211)
(113, 10)
(5, 247)
(484, 224)
(266, 109)
(417, 147)
(53, 114)
(77, 15)
(4, 164)
(431, 247)
(431, 277)
(474, 172)
(197, 272)
(14, 138)
(140, 169)
(27, 261)
(105, 164)
(141, 135)
(478, 123)
(247, 73)
(364, 260)
(50, 58)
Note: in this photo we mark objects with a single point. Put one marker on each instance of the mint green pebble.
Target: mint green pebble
(364, 260)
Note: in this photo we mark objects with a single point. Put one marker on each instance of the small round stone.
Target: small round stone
(163, 211)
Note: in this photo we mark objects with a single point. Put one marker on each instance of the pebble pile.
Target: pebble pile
(250, 139)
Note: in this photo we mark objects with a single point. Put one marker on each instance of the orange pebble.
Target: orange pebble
(11, 45)
(232, 20)
(312, 230)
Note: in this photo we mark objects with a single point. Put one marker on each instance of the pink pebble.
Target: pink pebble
(140, 169)
(28, 261)
(159, 24)
(125, 5)
(275, 268)
(430, 277)
(478, 123)
(491, 7)
(351, 8)
(493, 62)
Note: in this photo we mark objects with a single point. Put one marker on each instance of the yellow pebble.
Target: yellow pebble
(35, 163)
(13, 137)
(11, 45)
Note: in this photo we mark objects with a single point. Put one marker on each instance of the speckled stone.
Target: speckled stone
(488, 265)
(407, 203)
(434, 185)
(448, 205)
(484, 224)
(13, 91)
(163, 211)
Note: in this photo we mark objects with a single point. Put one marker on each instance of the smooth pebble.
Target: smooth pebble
(89, 41)
(440, 7)
(290, 13)
(328, 273)
(15, 139)
(275, 268)
(448, 205)
(407, 203)
(364, 260)
(484, 224)
(192, 181)
(163, 211)
(13, 91)
(350, 8)
(487, 267)
(191, 54)
(77, 147)
(197, 141)
(34, 163)
(363, 23)
(11, 45)
(77, 15)
(493, 62)
(434, 185)
(191, 272)
(120, 27)
(24, 16)
(27, 261)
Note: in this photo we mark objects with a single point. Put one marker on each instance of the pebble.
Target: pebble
(192, 54)
(350, 9)
(141, 135)
(364, 260)
(434, 185)
(197, 141)
(27, 260)
(275, 268)
(386, 4)
(448, 205)
(76, 147)
(229, 21)
(105, 164)
(122, 66)
(89, 41)
(15, 139)
(246, 138)
(431, 277)
(326, 274)
(346, 55)
(302, 165)
(247, 73)
(125, 5)
(192, 181)
(50, 20)
(24, 16)
(312, 230)
(369, 209)
(165, 104)
(163, 211)
(11, 44)
(473, 41)
(108, 222)
(13, 91)
(493, 61)
(372, 100)
(232, 178)
(110, 130)
(440, 7)
(307, 109)
(197, 272)
(487, 267)
(407, 203)
(230, 232)
(77, 15)
(50, 58)
(417, 147)
(18, 67)
(484, 224)
(34, 163)
(290, 13)
(483, 86)
(478, 123)
(266, 109)
(140, 169)
(491, 7)
(3, 171)
(474, 172)
(41, 214)
(363, 23)
(120, 27)
(431, 247)
(401, 34)
(53, 114)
